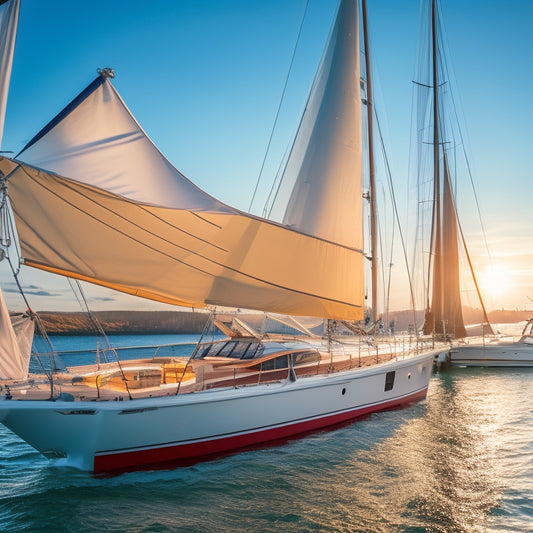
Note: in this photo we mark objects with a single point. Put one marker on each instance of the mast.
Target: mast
(436, 240)
(371, 169)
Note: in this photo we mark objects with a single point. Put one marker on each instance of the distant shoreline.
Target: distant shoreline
(193, 322)
(125, 323)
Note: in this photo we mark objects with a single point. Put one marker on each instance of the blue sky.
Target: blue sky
(204, 79)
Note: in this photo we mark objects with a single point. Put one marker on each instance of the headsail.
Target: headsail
(446, 304)
(96, 140)
(324, 168)
(9, 15)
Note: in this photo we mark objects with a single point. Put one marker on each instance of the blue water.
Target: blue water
(462, 461)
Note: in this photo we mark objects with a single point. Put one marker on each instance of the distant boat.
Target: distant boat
(443, 316)
(495, 351)
(95, 200)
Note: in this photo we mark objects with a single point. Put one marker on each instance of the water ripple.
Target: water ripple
(459, 462)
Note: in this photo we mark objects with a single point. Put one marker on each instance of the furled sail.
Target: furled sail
(444, 310)
(15, 344)
(446, 303)
(324, 168)
(9, 15)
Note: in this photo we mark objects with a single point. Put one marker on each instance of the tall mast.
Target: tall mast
(371, 169)
(436, 230)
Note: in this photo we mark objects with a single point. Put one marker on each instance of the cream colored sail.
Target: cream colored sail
(112, 210)
(179, 256)
(96, 140)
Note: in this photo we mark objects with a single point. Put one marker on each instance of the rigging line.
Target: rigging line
(279, 107)
(448, 68)
(125, 219)
(226, 267)
(277, 180)
(146, 210)
(209, 323)
(390, 263)
(382, 267)
(395, 206)
(166, 222)
(32, 313)
(99, 328)
(11, 233)
(283, 163)
(412, 176)
(470, 265)
(72, 186)
(467, 160)
(295, 136)
(82, 301)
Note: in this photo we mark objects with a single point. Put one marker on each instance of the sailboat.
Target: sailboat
(94, 200)
(443, 316)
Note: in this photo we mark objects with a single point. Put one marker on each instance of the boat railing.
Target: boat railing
(166, 369)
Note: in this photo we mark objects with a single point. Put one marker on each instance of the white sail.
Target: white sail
(15, 348)
(9, 15)
(325, 161)
(96, 140)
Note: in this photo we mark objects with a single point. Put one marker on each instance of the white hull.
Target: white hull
(503, 354)
(111, 435)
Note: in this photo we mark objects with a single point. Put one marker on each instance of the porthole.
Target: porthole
(343, 392)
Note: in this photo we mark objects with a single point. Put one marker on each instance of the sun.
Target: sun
(495, 281)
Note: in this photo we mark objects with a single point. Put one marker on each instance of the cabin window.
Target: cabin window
(209, 350)
(276, 363)
(227, 349)
(250, 351)
(255, 350)
(389, 380)
(305, 357)
(240, 350)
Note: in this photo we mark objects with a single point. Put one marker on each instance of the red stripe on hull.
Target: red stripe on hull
(187, 453)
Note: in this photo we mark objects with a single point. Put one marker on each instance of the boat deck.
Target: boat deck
(167, 376)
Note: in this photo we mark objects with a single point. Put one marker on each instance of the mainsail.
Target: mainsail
(110, 209)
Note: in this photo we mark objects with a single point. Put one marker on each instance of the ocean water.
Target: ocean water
(461, 461)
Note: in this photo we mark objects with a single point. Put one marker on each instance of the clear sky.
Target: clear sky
(204, 78)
